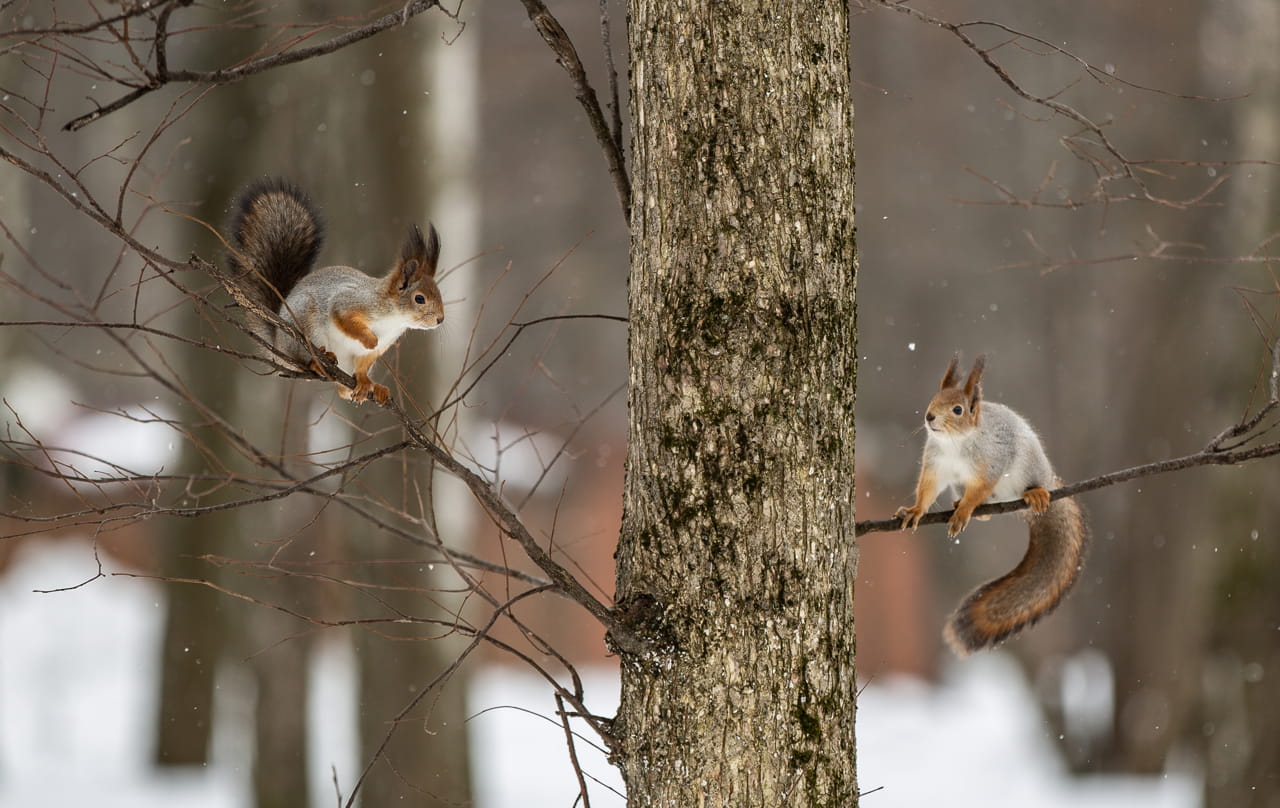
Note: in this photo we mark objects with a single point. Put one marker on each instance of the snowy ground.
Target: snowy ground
(77, 682)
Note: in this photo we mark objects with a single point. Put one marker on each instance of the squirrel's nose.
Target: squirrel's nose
(928, 417)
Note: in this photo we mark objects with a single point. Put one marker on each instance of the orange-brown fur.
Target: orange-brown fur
(355, 324)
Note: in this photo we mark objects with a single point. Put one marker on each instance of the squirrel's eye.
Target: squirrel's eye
(419, 299)
(958, 410)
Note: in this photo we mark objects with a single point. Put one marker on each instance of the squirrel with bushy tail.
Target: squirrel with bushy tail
(348, 316)
(992, 454)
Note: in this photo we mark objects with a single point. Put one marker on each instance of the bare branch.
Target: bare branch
(621, 634)
(615, 106)
(1162, 250)
(129, 13)
(164, 76)
(556, 37)
(1090, 142)
(440, 678)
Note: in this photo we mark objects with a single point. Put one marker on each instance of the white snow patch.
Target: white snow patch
(979, 740)
(78, 678)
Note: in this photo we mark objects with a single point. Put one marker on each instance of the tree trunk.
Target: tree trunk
(737, 556)
(195, 630)
(278, 646)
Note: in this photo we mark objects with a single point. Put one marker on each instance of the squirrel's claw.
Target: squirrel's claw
(366, 389)
(910, 516)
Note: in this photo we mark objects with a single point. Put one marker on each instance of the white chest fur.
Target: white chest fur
(950, 462)
(347, 350)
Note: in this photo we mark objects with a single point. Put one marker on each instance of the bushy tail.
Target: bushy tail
(276, 233)
(1000, 609)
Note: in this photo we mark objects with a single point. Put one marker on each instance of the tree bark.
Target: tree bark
(737, 557)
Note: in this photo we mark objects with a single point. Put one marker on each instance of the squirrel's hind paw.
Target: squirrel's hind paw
(958, 522)
(318, 369)
(365, 390)
(1037, 498)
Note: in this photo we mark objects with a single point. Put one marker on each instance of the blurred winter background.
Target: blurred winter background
(1149, 687)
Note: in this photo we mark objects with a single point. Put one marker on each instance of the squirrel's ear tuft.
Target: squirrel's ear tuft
(950, 378)
(973, 385)
(417, 258)
(432, 253)
(414, 248)
(421, 253)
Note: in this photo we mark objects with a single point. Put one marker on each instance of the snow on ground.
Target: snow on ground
(978, 740)
(77, 695)
(77, 691)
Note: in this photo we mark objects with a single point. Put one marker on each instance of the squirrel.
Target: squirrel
(995, 455)
(350, 317)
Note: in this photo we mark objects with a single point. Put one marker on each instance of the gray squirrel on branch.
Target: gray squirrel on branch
(348, 316)
(993, 454)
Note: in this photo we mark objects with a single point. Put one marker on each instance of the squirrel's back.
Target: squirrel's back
(276, 233)
(1015, 452)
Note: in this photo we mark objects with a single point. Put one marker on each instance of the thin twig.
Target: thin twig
(623, 637)
(1112, 163)
(573, 751)
(440, 678)
(554, 35)
(233, 74)
(615, 107)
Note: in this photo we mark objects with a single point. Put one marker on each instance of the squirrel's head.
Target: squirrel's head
(412, 281)
(955, 408)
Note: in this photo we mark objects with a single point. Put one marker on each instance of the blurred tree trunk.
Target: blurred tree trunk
(737, 556)
(277, 645)
(15, 204)
(426, 763)
(1239, 733)
(195, 632)
(193, 637)
(1155, 609)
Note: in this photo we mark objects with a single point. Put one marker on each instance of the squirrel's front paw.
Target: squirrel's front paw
(983, 518)
(959, 520)
(909, 515)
